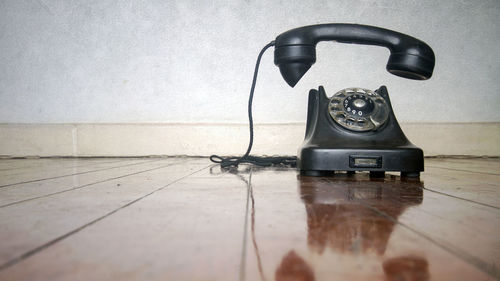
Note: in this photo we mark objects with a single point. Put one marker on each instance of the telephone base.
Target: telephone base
(317, 161)
(315, 173)
(329, 147)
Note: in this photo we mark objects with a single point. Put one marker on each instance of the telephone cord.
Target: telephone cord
(263, 161)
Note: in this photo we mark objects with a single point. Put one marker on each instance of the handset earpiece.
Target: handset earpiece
(295, 50)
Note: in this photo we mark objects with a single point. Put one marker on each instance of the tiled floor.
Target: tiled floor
(185, 219)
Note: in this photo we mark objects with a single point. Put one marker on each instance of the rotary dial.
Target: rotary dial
(358, 109)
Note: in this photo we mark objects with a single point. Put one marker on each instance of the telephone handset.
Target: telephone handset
(355, 129)
(295, 50)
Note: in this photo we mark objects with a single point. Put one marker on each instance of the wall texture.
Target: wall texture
(191, 62)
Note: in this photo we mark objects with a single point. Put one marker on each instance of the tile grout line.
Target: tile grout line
(78, 229)
(90, 184)
(469, 259)
(249, 198)
(460, 198)
(460, 170)
(81, 173)
(242, 271)
(467, 180)
(254, 239)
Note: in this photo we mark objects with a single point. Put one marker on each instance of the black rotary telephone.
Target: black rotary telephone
(355, 129)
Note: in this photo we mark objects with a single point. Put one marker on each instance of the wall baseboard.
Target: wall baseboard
(18, 140)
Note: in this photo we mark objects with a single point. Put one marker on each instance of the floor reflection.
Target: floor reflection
(355, 214)
(411, 268)
(348, 214)
(293, 267)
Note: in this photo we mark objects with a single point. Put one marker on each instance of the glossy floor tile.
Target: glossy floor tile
(185, 219)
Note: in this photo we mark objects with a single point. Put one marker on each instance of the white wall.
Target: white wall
(191, 61)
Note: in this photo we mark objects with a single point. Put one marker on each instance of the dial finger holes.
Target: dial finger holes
(358, 109)
(340, 117)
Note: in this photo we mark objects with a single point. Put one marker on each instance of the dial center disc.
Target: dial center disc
(359, 103)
